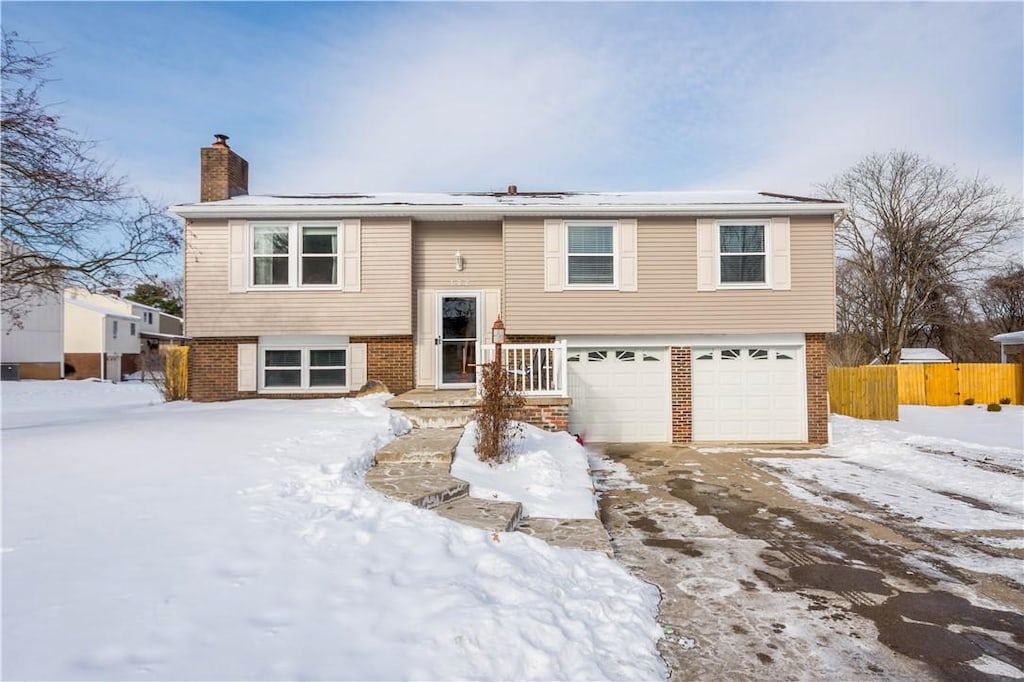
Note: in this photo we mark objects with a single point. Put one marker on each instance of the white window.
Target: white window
(742, 254)
(131, 329)
(590, 255)
(149, 318)
(303, 368)
(293, 255)
(115, 329)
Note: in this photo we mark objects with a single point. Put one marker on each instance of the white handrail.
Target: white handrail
(535, 369)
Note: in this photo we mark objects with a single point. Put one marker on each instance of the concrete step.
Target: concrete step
(424, 484)
(492, 515)
(438, 417)
(429, 397)
(422, 445)
(588, 534)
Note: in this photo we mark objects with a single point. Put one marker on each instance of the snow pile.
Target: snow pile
(549, 474)
(239, 541)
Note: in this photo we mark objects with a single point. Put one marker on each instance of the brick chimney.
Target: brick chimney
(222, 173)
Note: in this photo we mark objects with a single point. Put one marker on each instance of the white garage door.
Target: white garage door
(752, 394)
(620, 394)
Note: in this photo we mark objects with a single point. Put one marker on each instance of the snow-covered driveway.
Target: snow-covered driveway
(895, 553)
(144, 540)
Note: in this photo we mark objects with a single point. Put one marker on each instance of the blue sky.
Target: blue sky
(437, 96)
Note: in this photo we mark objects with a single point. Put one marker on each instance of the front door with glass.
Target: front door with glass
(458, 343)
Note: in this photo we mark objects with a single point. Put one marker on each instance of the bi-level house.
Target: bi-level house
(655, 316)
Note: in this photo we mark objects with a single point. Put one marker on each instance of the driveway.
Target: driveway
(757, 584)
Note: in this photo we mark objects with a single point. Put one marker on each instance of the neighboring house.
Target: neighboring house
(918, 356)
(673, 317)
(107, 336)
(32, 345)
(1011, 343)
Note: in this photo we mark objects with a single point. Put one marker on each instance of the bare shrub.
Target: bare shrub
(496, 428)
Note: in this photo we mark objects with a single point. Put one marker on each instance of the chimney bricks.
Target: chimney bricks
(222, 173)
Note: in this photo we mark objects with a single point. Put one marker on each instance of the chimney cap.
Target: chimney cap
(512, 189)
(220, 140)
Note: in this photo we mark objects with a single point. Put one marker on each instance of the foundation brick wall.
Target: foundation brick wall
(389, 359)
(817, 389)
(547, 417)
(213, 367)
(87, 365)
(39, 370)
(682, 395)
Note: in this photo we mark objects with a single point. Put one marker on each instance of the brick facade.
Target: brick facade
(547, 417)
(213, 367)
(39, 370)
(389, 360)
(682, 395)
(817, 389)
(87, 365)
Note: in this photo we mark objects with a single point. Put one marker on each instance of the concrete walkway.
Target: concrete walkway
(416, 468)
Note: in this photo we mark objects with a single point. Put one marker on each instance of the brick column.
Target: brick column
(682, 398)
(817, 389)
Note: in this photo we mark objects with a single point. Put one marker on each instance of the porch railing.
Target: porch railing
(533, 368)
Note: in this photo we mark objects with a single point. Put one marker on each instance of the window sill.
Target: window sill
(726, 286)
(308, 287)
(299, 391)
(591, 287)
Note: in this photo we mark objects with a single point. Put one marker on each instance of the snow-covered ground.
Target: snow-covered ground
(549, 474)
(144, 540)
(945, 468)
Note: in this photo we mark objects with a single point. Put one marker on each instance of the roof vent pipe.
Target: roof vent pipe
(512, 189)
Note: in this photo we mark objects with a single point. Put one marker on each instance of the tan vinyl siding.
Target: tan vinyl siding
(434, 248)
(382, 307)
(667, 300)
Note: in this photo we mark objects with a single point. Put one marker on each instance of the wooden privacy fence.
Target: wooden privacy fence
(864, 392)
(876, 392)
(176, 373)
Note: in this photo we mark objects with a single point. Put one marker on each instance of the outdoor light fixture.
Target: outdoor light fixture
(458, 261)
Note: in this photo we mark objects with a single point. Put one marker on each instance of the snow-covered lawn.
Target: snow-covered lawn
(945, 468)
(237, 540)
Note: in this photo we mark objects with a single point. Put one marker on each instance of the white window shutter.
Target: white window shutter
(238, 257)
(554, 255)
(247, 366)
(627, 255)
(705, 254)
(356, 365)
(351, 250)
(426, 351)
(780, 272)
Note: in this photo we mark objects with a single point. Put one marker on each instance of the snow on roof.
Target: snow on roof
(100, 309)
(923, 355)
(505, 202)
(1009, 338)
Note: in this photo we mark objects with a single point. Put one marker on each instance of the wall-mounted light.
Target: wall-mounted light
(459, 262)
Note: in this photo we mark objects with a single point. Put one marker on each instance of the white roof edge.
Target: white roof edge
(384, 210)
(1009, 338)
(100, 309)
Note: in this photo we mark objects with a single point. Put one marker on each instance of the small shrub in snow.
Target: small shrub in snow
(497, 430)
(969, 401)
(994, 407)
(1004, 401)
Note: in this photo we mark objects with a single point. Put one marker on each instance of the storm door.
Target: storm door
(459, 341)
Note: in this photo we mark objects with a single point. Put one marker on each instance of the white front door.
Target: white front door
(620, 394)
(458, 338)
(749, 393)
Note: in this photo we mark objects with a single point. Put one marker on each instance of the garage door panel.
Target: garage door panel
(620, 394)
(750, 394)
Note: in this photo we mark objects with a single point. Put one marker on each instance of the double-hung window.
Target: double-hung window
(304, 369)
(590, 255)
(742, 253)
(294, 255)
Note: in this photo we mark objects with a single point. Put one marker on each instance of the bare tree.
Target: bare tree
(67, 220)
(913, 229)
(1002, 299)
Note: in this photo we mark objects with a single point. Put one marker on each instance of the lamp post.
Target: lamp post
(498, 338)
